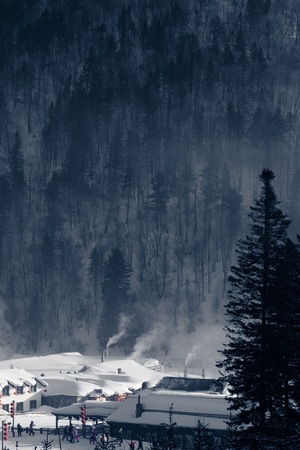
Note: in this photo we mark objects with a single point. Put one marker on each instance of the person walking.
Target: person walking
(66, 433)
(31, 430)
(75, 434)
(71, 434)
(93, 436)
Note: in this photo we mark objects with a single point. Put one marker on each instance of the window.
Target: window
(19, 389)
(5, 407)
(19, 407)
(32, 404)
(33, 388)
(5, 390)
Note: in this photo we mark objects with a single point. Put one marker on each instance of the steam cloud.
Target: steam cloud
(123, 325)
(193, 354)
(146, 341)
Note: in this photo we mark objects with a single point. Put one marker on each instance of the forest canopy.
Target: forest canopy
(137, 129)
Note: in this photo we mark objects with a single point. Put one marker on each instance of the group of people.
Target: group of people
(102, 438)
(29, 429)
(70, 434)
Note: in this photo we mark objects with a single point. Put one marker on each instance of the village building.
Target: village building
(177, 405)
(61, 380)
(20, 390)
(135, 402)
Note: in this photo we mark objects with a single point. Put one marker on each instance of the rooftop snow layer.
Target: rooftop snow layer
(15, 376)
(78, 375)
(210, 409)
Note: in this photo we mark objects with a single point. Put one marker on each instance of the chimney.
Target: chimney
(102, 356)
(138, 408)
(185, 372)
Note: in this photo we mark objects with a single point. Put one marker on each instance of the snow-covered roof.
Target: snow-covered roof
(50, 364)
(94, 408)
(72, 388)
(188, 408)
(74, 374)
(16, 376)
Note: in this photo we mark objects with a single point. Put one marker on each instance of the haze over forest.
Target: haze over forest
(132, 136)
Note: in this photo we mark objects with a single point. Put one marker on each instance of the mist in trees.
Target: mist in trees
(137, 126)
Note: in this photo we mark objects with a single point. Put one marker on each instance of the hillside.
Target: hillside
(132, 134)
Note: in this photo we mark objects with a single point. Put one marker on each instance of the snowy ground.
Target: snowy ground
(46, 421)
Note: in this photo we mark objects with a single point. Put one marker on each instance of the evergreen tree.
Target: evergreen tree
(16, 166)
(94, 270)
(52, 203)
(115, 293)
(18, 183)
(169, 442)
(284, 321)
(5, 206)
(34, 328)
(49, 140)
(74, 165)
(255, 9)
(260, 359)
(203, 440)
(46, 444)
(3, 115)
(158, 199)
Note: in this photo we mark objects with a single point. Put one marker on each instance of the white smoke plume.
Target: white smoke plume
(146, 342)
(196, 352)
(122, 329)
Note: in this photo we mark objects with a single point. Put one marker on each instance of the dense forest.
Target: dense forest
(132, 134)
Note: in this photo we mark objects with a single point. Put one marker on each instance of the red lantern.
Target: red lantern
(83, 415)
(12, 409)
(5, 431)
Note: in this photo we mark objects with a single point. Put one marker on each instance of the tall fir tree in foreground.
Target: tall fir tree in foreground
(261, 359)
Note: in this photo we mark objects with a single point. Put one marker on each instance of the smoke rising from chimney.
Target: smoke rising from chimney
(145, 342)
(122, 329)
(195, 353)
